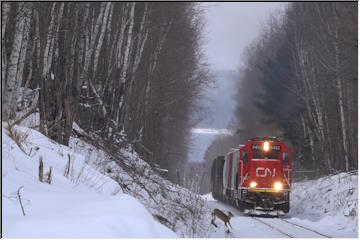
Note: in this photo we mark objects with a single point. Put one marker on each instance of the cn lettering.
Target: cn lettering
(263, 172)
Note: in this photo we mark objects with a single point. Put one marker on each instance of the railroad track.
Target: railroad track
(306, 228)
(290, 235)
(273, 227)
(285, 227)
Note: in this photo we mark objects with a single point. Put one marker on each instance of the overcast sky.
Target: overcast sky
(230, 27)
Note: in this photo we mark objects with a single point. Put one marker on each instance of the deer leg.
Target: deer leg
(230, 225)
(212, 222)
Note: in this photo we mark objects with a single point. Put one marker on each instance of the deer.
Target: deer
(222, 216)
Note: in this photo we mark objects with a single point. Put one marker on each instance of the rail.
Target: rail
(300, 226)
(291, 223)
(273, 227)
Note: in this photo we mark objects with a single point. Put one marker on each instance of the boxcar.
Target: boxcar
(216, 177)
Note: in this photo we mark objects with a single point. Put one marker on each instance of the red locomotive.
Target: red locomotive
(254, 176)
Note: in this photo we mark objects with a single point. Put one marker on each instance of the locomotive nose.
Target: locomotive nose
(266, 173)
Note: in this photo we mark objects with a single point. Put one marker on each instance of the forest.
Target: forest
(299, 82)
(133, 73)
(105, 103)
(128, 72)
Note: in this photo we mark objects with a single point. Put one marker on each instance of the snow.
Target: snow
(116, 173)
(208, 197)
(243, 226)
(140, 203)
(176, 207)
(32, 121)
(328, 206)
(86, 204)
(330, 202)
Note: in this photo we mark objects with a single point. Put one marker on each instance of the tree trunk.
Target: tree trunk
(341, 107)
(125, 65)
(4, 18)
(16, 61)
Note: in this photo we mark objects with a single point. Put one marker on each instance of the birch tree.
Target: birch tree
(128, 71)
(302, 75)
(16, 61)
(4, 20)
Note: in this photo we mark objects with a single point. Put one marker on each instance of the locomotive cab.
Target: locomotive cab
(264, 176)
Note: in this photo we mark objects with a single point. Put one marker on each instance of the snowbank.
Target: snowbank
(208, 197)
(85, 203)
(332, 200)
(176, 207)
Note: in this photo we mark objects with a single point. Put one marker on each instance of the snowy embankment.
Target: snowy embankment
(330, 201)
(80, 203)
(326, 207)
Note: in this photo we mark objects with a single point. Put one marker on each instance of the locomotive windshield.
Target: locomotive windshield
(272, 154)
(259, 153)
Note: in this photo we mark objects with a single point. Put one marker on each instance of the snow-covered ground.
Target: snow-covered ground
(86, 203)
(329, 202)
(95, 177)
(327, 207)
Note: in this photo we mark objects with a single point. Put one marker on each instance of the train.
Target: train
(254, 176)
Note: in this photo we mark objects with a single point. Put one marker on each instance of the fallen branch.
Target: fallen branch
(18, 193)
(67, 167)
(48, 176)
(41, 169)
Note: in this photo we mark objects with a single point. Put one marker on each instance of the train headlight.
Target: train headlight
(266, 146)
(278, 186)
(253, 184)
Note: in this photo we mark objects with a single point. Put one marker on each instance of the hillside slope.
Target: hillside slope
(87, 167)
(330, 201)
(85, 203)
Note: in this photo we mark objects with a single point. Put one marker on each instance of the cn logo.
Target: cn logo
(263, 172)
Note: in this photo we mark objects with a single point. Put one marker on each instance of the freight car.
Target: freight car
(216, 177)
(256, 175)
